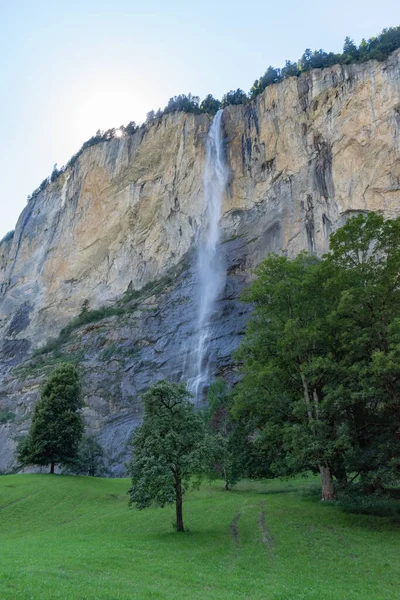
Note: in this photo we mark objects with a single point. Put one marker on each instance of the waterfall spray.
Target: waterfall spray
(210, 263)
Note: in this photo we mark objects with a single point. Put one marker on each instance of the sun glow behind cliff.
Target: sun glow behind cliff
(211, 269)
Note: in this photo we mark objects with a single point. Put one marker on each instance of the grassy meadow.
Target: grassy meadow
(74, 538)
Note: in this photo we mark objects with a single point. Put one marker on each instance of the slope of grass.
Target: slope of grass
(74, 538)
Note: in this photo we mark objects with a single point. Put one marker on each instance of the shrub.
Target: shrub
(6, 416)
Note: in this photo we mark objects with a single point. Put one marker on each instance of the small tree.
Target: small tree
(150, 116)
(130, 129)
(234, 97)
(350, 51)
(219, 420)
(171, 450)
(90, 457)
(210, 105)
(290, 69)
(57, 424)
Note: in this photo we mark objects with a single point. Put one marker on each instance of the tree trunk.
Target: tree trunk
(226, 480)
(328, 490)
(316, 404)
(307, 398)
(52, 465)
(178, 498)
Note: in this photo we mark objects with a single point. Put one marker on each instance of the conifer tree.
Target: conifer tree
(57, 424)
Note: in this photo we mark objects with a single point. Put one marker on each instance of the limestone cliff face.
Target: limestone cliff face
(119, 217)
(303, 156)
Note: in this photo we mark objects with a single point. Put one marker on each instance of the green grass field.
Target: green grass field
(75, 538)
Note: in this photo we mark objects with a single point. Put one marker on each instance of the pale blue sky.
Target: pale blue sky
(70, 68)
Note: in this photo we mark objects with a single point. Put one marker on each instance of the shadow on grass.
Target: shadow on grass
(206, 535)
(302, 488)
(374, 507)
(263, 492)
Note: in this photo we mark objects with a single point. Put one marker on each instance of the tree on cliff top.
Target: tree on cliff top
(171, 449)
(57, 424)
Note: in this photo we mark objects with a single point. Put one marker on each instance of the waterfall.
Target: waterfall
(211, 270)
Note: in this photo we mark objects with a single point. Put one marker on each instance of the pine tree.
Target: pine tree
(57, 424)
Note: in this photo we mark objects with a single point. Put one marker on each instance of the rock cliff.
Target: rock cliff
(117, 232)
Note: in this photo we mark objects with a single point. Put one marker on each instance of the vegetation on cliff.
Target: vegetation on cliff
(55, 348)
(8, 236)
(98, 138)
(375, 48)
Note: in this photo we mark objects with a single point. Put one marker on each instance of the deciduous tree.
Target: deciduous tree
(171, 449)
(320, 371)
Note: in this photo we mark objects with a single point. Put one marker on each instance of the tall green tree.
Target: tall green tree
(279, 386)
(57, 424)
(171, 449)
(320, 370)
(365, 375)
(270, 76)
(350, 51)
(239, 453)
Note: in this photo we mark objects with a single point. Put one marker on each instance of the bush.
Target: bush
(6, 416)
(189, 104)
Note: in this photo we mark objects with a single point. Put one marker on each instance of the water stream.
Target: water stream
(211, 270)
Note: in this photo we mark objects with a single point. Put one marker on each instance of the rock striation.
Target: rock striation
(118, 230)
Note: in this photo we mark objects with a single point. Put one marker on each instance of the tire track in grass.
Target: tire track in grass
(266, 535)
(234, 530)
